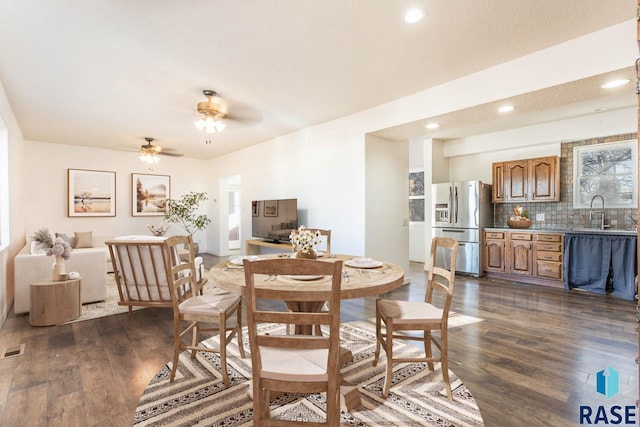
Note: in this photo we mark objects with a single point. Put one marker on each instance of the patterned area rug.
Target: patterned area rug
(198, 396)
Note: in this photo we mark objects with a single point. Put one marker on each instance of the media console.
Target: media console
(254, 246)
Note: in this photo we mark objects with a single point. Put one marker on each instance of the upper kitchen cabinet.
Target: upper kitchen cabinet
(529, 180)
(497, 191)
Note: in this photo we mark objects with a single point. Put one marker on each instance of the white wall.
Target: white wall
(14, 198)
(387, 194)
(322, 166)
(45, 187)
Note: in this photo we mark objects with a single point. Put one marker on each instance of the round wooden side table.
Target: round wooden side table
(54, 301)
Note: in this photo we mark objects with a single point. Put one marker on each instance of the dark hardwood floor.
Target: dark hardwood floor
(531, 361)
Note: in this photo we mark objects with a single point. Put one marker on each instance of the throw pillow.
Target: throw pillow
(64, 237)
(84, 239)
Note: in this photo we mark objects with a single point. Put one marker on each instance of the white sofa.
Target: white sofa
(92, 264)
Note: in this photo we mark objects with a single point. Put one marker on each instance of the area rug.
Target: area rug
(198, 396)
(110, 305)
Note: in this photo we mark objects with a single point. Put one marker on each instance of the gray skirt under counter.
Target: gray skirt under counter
(604, 263)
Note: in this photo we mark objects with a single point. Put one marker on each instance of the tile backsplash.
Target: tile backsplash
(561, 215)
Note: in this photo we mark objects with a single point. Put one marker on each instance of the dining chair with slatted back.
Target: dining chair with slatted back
(201, 313)
(327, 248)
(421, 316)
(293, 363)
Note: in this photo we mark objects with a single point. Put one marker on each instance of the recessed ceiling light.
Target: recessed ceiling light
(505, 108)
(414, 15)
(432, 125)
(615, 83)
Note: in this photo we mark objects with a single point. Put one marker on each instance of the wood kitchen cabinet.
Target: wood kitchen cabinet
(520, 253)
(524, 256)
(497, 189)
(529, 180)
(549, 255)
(494, 251)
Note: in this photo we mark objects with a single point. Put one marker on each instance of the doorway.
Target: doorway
(229, 227)
(233, 200)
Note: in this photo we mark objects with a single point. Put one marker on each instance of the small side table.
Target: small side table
(54, 301)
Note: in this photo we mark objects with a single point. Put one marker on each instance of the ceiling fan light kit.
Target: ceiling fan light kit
(209, 124)
(149, 152)
(213, 111)
(149, 158)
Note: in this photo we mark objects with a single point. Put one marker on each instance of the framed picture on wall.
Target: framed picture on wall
(254, 208)
(416, 183)
(270, 208)
(416, 210)
(149, 194)
(91, 193)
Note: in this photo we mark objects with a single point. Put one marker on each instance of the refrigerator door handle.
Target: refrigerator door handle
(450, 205)
(453, 230)
(456, 204)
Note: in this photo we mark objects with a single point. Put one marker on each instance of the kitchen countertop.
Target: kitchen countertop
(607, 231)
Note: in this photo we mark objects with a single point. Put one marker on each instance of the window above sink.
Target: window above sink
(610, 170)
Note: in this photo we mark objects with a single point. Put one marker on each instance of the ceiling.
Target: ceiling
(108, 73)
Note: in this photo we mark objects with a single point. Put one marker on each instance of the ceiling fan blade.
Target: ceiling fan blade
(170, 153)
(243, 114)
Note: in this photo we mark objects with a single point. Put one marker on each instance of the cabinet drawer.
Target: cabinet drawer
(550, 247)
(520, 236)
(549, 256)
(551, 270)
(549, 238)
(494, 234)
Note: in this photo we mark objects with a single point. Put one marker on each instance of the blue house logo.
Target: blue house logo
(608, 385)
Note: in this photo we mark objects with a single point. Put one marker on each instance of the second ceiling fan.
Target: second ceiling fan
(149, 152)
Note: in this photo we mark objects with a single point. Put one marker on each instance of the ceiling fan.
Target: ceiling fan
(213, 110)
(216, 108)
(149, 152)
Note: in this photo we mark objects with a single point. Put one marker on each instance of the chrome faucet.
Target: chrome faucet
(598, 212)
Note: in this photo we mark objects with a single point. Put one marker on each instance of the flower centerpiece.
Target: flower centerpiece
(303, 242)
(57, 247)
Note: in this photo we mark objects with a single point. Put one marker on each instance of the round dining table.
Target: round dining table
(310, 293)
(358, 279)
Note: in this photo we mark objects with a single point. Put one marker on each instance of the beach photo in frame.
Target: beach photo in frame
(91, 193)
(149, 194)
(270, 208)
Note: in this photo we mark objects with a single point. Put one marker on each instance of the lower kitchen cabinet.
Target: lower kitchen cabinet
(524, 256)
(520, 255)
(494, 251)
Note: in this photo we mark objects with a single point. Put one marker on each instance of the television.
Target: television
(274, 219)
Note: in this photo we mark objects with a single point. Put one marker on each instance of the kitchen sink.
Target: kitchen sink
(605, 231)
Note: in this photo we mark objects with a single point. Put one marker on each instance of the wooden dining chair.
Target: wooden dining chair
(293, 363)
(327, 234)
(198, 310)
(420, 316)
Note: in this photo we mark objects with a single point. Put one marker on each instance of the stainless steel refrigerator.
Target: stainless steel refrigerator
(460, 211)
